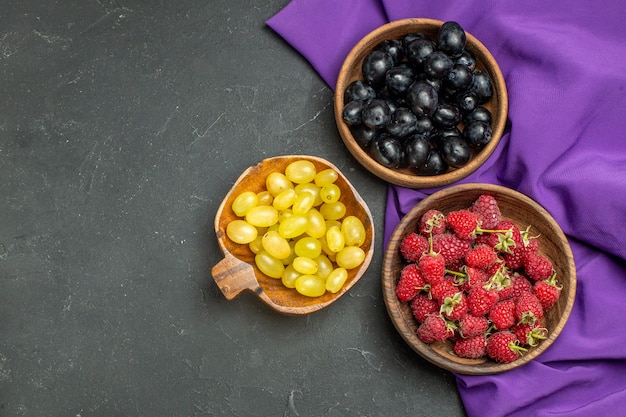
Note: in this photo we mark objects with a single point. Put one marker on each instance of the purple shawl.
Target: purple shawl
(565, 68)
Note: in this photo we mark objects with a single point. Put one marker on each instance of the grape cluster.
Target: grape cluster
(299, 230)
(420, 104)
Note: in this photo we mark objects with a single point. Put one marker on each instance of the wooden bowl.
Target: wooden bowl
(237, 272)
(514, 206)
(351, 71)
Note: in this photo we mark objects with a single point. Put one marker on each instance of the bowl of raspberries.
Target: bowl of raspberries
(420, 102)
(478, 279)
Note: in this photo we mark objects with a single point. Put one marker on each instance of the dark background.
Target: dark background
(123, 124)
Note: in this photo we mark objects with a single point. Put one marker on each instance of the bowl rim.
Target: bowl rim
(402, 178)
(392, 304)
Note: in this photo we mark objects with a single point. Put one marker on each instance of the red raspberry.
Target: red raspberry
(528, 308)
(517, 285)
(537, 266)
(480, 256)
(530, 334)
(481, 300)
(503, 346)
(471, 325)
(463, 223)
(514, 259)
(454, 307)
(502, 315)
(547, 291)
(433, 267)
(441, 289)
(413, 246)
(410, 283)
(486, 207)
(422, 306)
(507, 237)
(434, 328)
(432, 222)
(472, 347)
(450, 247)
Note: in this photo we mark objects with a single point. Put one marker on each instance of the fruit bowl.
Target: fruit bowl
(402, 175)
(524, 212)
(237, 272)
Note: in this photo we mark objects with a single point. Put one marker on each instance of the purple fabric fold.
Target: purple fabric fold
(565, 146)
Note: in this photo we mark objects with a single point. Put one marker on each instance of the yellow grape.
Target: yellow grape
(336, 280)
(308, 247)
(301, 171)
(317, 225)
(333, 211)
(289, 259)
(269, 265)
(350, 257)
(277, 182)
(285, 199)
(305, 265)
(325, 177)
(276, 245)
(256, 245)
(335, 239)
(290, 276)
(353, 231)
(330, 193)
(262, 216)
(310, 285)
(293, 226)
(324, 266)
(243, 202)
(240, 231)
(310, 188)
(303, 203)
(264, 198)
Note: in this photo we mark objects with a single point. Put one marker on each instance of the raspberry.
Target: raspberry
(454, 307)
(472, 325)
(530, 334)
(528, 308)
(503, 346)
(507, 237)
(517, 285)
(502, 315)
(410, 283)
(450, 247)
(413, 246)
(486, 207)
(515, 258)
(480, 256)
(432, 222)
(537, 266)
(434, 328)
(472, 347)
(422, 306)
(433, 267)
(441, 289)
(547, 291)
(481, 300)
(463, 223)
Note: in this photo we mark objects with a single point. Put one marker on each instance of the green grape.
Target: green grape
(293, 226)
(331, 255)
(353, 231)
(269, 265)
(264, 198)
(285, 199)
(336, 280)
(276, 245)
(333, 211)
(325, 177)
(324, 266)
(240, 231)
(310, 188)
(350, 257)
(308, 247)
(284, 215)
(304, 202)
(290, 276)
(304, 265)
(330, 193)
(277, 182)
(301, 171)
(243, 202)
(310, 285)
(292, 253)
(256, 245)
(262, 216)
(317, 224)
(335, 239)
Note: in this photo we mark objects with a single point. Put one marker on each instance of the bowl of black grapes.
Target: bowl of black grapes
(420, 103)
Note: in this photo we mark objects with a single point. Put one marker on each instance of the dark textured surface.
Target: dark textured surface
(122, 126)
